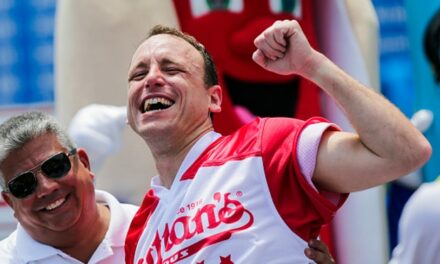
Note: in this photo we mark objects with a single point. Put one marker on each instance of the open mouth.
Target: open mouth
(156, 104)
(265, 99)
(55, 204)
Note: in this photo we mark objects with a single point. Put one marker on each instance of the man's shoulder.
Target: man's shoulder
(114, 204)
(8, 249)
(275, 125)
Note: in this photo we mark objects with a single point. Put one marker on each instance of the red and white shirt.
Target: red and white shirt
(239, 198)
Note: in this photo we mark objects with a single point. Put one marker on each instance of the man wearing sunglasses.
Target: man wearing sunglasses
(49, 185)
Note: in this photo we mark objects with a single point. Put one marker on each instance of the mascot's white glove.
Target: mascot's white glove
(98, 129)
(422, 119)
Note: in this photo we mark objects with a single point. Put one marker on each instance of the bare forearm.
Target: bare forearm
(386, 145)
(382, 128)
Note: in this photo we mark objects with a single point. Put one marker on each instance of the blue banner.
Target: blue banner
(26, 52)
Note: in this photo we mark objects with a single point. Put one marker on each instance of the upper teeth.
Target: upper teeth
(55, 204)
(151, 101)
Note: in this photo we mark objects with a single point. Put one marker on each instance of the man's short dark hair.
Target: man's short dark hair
(432, 44)
(210, 77)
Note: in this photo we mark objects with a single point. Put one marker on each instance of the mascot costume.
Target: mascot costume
(228, 29)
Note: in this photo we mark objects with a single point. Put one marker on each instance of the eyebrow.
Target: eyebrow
(140, 64)
(166, 62)
(38, 165)
(162, 62)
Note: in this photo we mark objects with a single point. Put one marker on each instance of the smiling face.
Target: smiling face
(167, 96)
(57, 205)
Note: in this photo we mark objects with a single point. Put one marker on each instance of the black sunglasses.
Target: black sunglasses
(54, 167)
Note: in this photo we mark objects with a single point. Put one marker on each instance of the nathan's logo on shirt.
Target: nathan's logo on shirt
(211, 223)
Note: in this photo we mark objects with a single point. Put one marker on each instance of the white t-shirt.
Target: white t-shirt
(8, 223)
(419, 232)
(20, 247)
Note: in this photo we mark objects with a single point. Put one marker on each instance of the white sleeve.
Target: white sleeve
(307, 150)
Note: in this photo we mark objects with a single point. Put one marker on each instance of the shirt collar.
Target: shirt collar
(119, 221)
(32, 250)
(190, 157)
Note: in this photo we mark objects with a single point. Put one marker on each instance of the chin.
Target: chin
(157, 128)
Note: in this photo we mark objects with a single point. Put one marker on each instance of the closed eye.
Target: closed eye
(137, 76)
(172, 70)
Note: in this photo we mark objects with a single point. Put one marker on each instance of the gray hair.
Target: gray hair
(20, 129)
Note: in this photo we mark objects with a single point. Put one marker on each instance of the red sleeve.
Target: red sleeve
(303, 209)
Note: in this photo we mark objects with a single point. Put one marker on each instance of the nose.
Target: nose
(45, 185)
(154, 78)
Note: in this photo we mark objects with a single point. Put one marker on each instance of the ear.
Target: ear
(83, 157)
(215, 94)
(7, 199)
